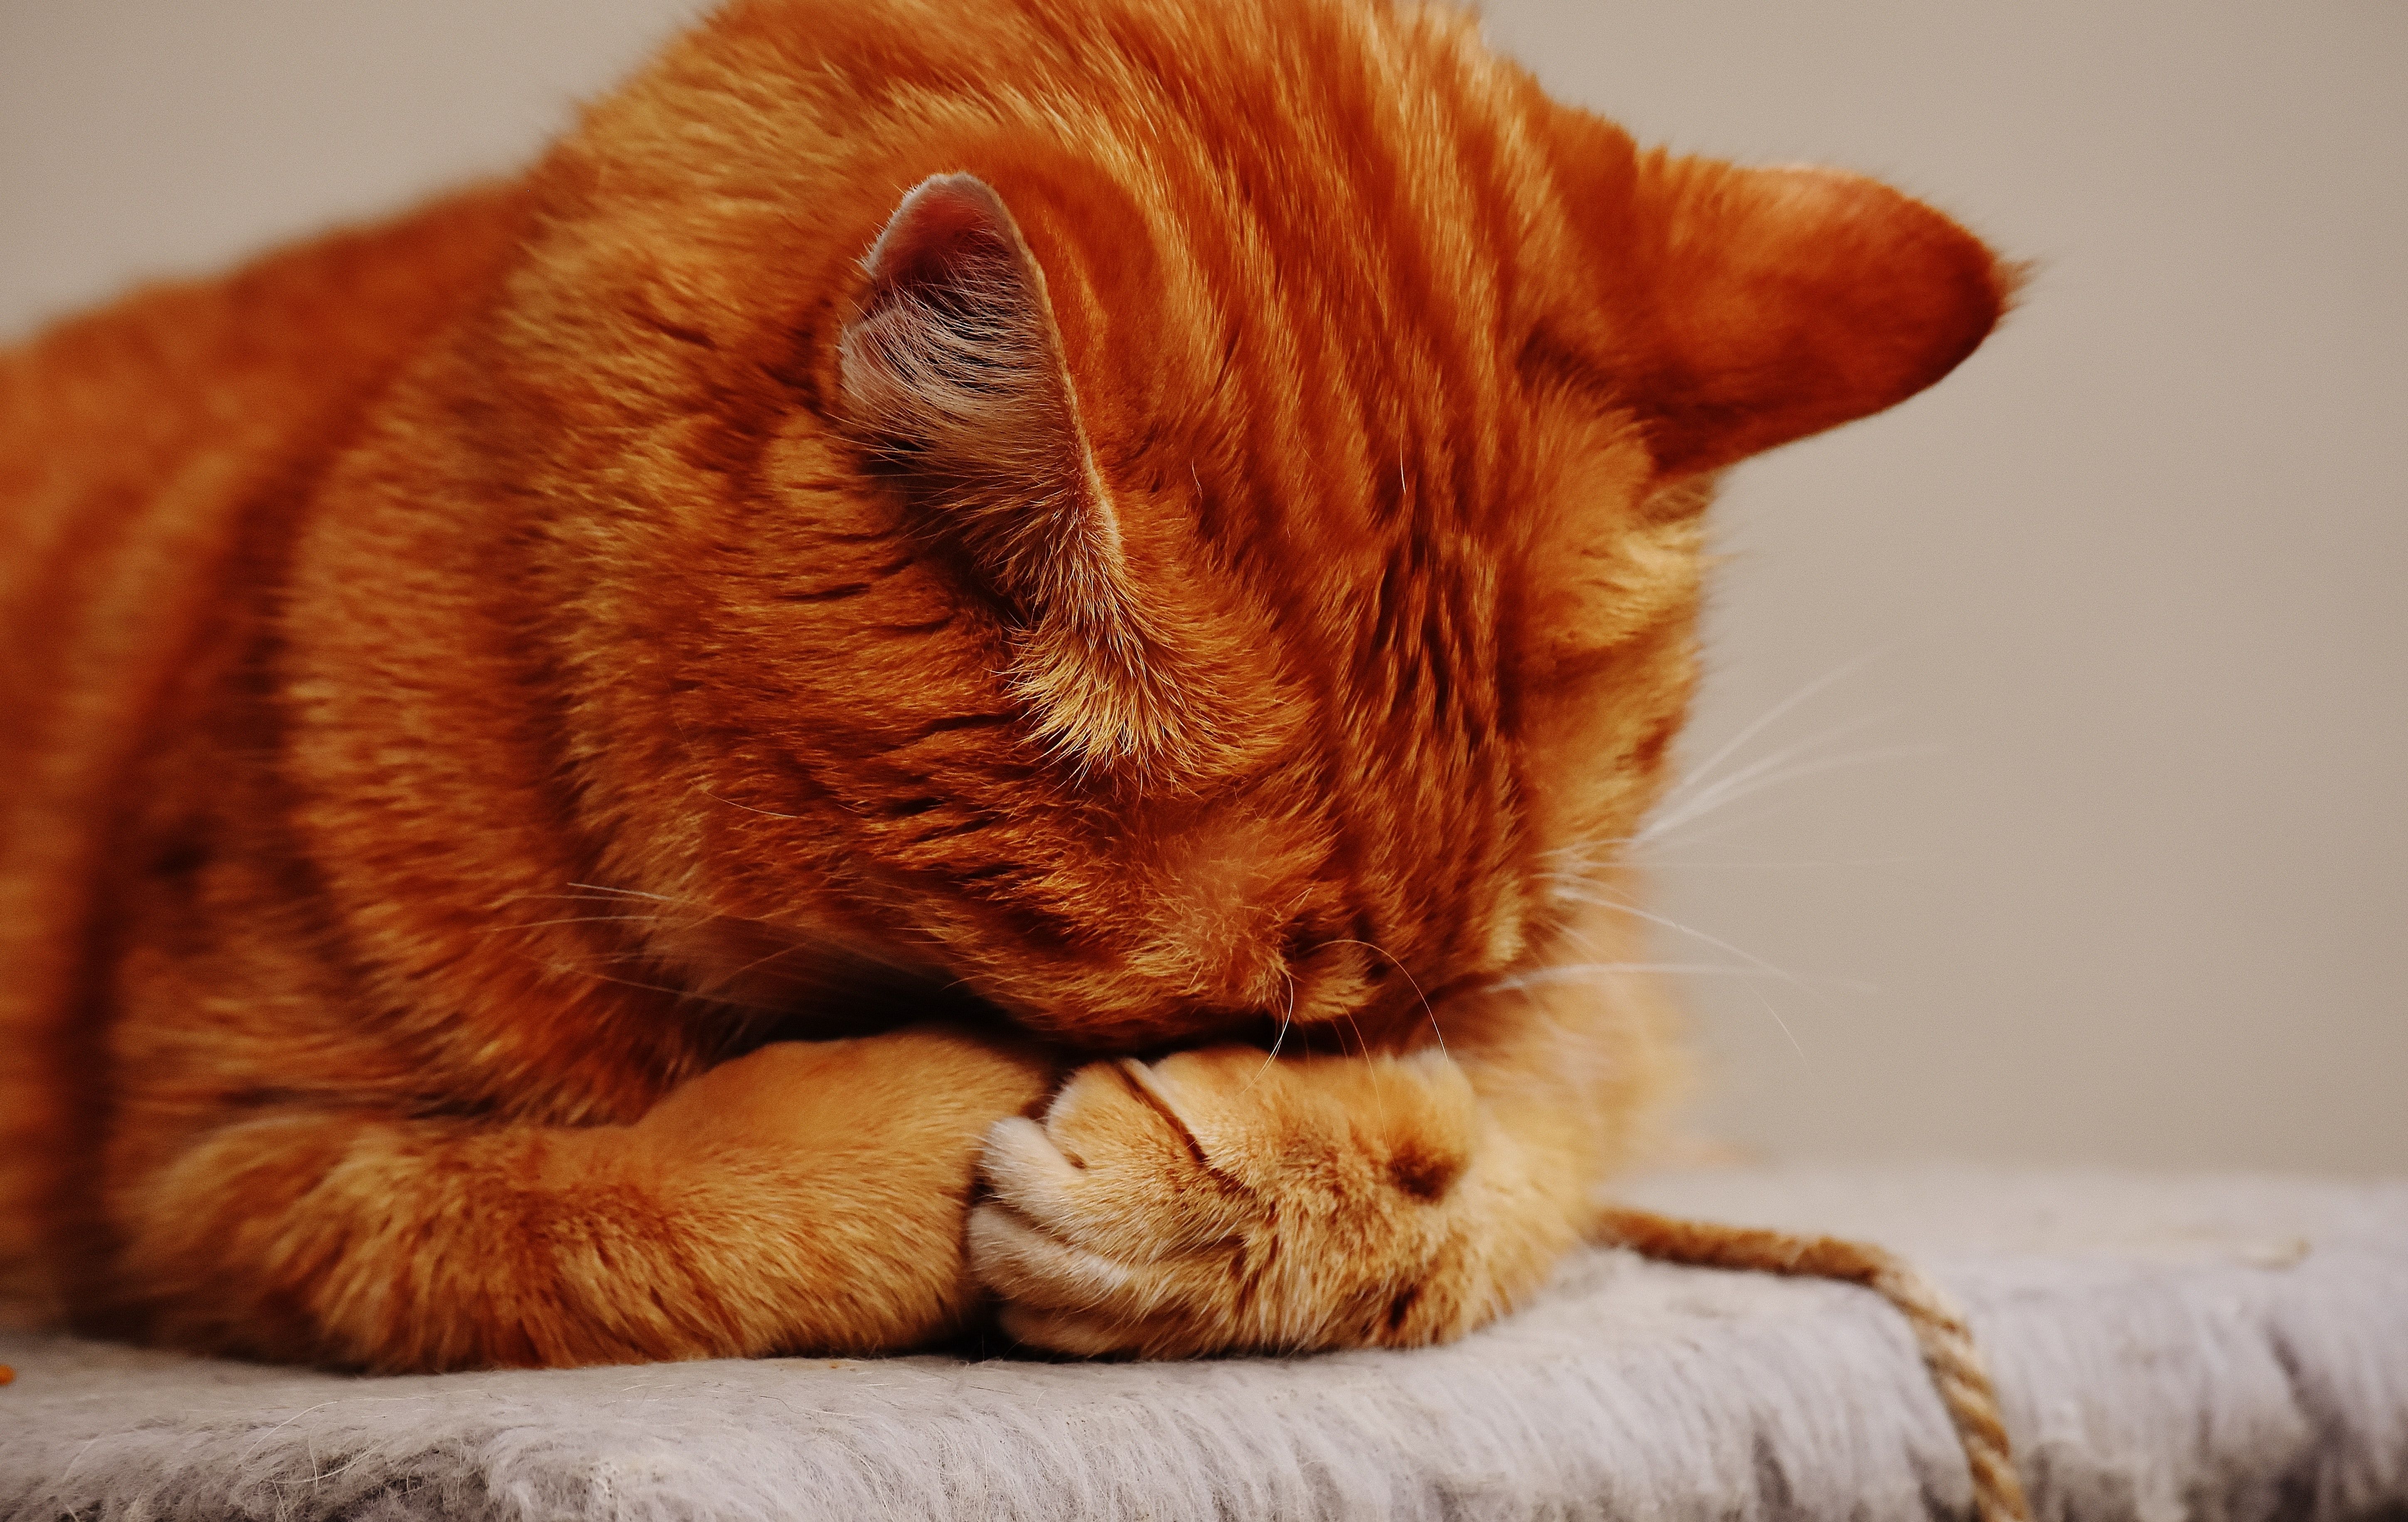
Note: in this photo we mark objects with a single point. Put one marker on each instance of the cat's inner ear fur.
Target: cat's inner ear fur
(952, 371)
(1784, 301)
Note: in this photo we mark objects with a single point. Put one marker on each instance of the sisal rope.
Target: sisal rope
(1940, 1331)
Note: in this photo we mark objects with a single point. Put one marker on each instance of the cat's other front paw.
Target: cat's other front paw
(1222, 1201)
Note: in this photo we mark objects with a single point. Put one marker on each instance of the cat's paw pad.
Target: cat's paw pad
(1216, 1200)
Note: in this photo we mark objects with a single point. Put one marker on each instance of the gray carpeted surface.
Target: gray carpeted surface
(2165, 1347)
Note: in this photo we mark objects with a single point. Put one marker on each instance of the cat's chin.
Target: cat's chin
(1148, 1034)
(756, 982)
(761, 982)
(894, 1001)
(735, 1029)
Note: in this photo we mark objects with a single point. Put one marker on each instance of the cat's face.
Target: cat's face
(1221, 546)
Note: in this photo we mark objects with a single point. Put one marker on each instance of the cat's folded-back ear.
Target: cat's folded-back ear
(953, 365)
(953, 370)
(1762, 304)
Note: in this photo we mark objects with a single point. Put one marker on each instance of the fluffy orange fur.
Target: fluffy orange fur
(968, 651)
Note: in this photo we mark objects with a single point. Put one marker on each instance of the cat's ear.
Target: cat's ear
(953, 369)
(1778, 302)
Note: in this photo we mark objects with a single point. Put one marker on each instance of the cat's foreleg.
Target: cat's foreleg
(803, 1197)
(1223, 1200)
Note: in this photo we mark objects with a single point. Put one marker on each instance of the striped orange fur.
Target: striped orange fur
(967, 653)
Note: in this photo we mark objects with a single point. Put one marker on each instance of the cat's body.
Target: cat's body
(1210, 572)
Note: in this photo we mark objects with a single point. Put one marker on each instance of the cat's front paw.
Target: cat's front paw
(1218, 1200)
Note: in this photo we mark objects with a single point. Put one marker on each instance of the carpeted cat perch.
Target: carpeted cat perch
(2163, 1348)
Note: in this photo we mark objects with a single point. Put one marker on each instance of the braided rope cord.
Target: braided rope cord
(1946, 1344)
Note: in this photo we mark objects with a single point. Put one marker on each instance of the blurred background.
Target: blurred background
(2059, 718)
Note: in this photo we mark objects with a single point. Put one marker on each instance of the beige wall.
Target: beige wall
(2118, 607)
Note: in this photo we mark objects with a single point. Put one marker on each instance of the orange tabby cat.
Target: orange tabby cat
(1120, 563)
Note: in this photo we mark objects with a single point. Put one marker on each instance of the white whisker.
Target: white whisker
(1287, 1018)
(1712, 863)
(1662, 826)
(627, 893)
(581, 919)
(1586, 971)
(1775, 1016)
(1764, 763)
(1837, 673)
(1409, 979)
(765, 813)
(1704, 801)
(566, 970)
(1720, 944)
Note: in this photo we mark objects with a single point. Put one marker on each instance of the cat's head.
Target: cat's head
(1166, 514)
